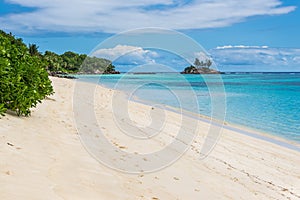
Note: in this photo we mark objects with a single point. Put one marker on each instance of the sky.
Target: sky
(256, 35)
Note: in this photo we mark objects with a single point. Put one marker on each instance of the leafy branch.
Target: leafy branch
(24, 81)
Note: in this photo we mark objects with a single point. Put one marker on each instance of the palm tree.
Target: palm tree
(208, 63)
(33, 50)
(197, 63)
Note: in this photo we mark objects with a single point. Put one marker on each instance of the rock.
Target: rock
(203, 70)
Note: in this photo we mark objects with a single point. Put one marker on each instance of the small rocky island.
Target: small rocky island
(200, 67)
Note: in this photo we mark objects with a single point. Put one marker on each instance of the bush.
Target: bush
(24, 81)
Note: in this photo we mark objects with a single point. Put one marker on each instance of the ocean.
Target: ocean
(264, 102)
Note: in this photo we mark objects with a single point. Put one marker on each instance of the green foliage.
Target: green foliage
(71, 62)
(109, 69)
(24, 81)
(53, 60)
(207, 63)
(197, 62)
(33, 50)
(201, 67)
(97, 65)
(2, 109)
(190, 69)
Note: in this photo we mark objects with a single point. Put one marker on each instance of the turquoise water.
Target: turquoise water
(267, 102)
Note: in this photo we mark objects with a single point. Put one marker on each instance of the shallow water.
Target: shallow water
(267, 102)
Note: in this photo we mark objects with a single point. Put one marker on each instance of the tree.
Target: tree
(201, 63)
(208, 63)
(33, 50)
(97, 65)
(70, 62)
(24, 81)
(109, 69)
(53, 61)
(197, 63)
(190, 70)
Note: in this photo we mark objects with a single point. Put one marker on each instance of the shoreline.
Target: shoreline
(258, 134)
(251, 131)
(245, 130)
(43, 156)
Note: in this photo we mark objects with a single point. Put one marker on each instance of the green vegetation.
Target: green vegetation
(93, 65)
(69, 62)
(33, 50)
(72, 63)
(190, 70)
(201, 67)
(24, 81)
(207, 63)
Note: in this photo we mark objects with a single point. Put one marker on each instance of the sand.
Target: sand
(44, 157)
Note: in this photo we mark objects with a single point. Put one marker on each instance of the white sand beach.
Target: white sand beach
(43, 157)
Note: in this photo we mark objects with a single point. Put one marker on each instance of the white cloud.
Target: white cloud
(229, 58)
(116, 15)
(241, 47)
(226, 58)
(270, 59)
(201, 56)
(125, 54)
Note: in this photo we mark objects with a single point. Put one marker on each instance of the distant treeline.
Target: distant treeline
(70, 62)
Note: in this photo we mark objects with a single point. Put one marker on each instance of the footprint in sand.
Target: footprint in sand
(10, 144)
